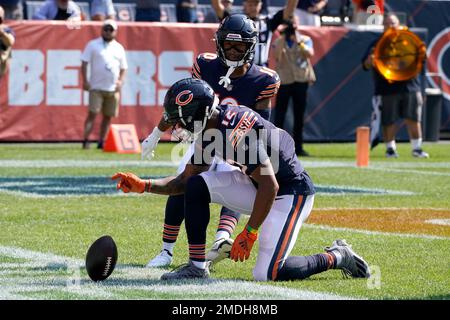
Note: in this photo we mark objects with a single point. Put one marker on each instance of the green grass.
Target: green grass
(411, 268)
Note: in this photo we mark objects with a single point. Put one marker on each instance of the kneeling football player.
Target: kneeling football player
(272, 188)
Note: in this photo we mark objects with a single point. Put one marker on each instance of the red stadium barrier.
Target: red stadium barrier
(41, 98)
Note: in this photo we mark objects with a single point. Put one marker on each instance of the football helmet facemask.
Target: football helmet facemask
(237, 28)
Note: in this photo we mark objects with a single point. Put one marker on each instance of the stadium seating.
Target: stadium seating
(168, 12)
(125, 11)
(33, 6)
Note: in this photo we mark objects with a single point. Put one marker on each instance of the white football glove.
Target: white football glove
(150, 143)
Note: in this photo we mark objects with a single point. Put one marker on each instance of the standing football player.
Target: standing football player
(273, 188)
(236, 81)
(266, 25)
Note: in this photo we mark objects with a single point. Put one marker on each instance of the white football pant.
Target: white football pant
(280, 229)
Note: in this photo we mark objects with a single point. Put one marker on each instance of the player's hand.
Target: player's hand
(149, 144)
(129, 182)
(243, 245)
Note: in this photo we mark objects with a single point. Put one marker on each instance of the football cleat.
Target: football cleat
(419, 153)
(351, 264)
(163, 259)
(186, 271)
(220, 250)
(391, 153)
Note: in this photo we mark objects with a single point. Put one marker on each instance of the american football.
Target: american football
(101, 258)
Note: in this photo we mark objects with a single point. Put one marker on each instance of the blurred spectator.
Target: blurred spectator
(363, 5)
(308, 11)
(265, 24)
(292, 53)
(342, 9)
(58, 10)
(102, 9)
(212, 17)
(148, 10)
(265, 7)
(6, 42)
(363, 9)
(187, 11)
(108, 64)
(13, 9)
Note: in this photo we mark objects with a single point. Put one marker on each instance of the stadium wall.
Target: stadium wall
(41, 98)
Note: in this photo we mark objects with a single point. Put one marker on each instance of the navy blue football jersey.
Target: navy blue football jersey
(257, 84)
(246, 138)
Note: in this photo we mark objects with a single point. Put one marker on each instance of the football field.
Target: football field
(56, 199)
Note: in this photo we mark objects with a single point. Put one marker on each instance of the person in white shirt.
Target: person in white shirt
(108, 65)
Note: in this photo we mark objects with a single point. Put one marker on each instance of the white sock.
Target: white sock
(391, 144)
(168, 246)
(338, 257)
(222, 235)
(416, 143)
(198, 264)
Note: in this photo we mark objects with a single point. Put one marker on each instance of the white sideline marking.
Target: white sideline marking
(432, 173)
(124, 279)
(377, 233)
(84, 163)
(380, 209)
(63, 163)
(441, 222)
(43, 196)
(346, 190)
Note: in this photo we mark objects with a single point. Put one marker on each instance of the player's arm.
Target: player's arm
(218, 8)
(263, 107)
(176, 185)
(265, 196)
(263, 104)
(268, 89)
(195, 71)
(173, 185)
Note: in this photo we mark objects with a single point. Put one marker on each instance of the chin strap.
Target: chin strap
(225, 80)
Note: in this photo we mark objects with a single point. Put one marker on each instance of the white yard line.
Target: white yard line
(380, 209)
(125, 279)
(84, 163)
(431, 173)
(375, 233)
(67, 163)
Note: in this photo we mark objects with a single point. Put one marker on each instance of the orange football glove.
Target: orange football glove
(129, 182)
(242, 245)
